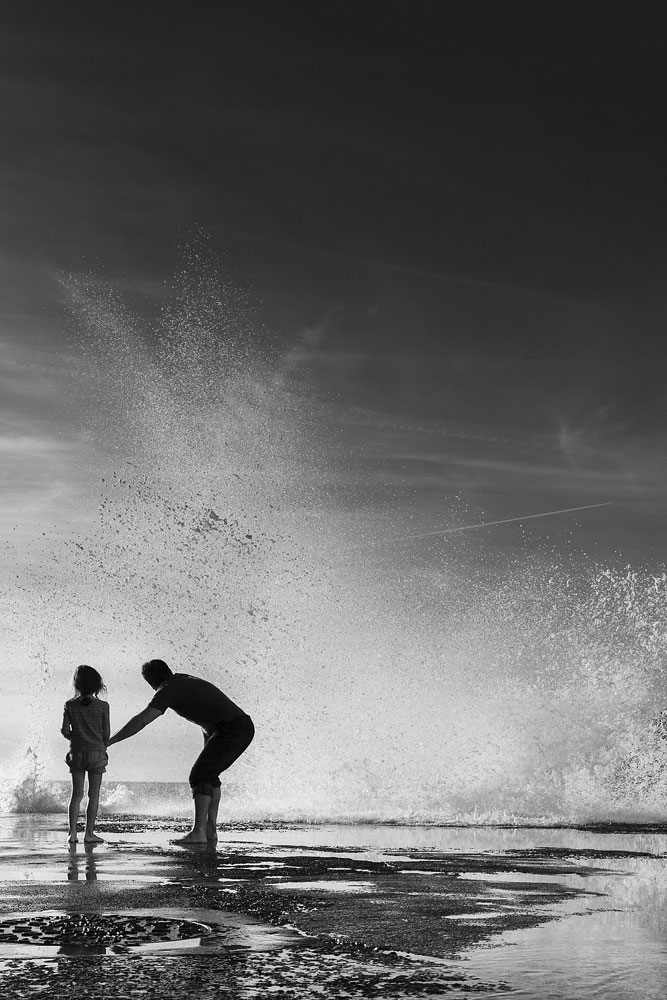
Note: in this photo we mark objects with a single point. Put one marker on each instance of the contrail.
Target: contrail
(489, 524)
(441, 276)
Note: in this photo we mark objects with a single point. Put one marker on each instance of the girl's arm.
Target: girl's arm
(66, 728)
(106, 725)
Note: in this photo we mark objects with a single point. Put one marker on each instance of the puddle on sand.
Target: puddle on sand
(21, 873)
(609, 943)
(57, 933)
(604, 954)
(88, 866)
(60, 933)
(350, 887)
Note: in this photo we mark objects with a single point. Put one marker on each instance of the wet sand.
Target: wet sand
(296, 912)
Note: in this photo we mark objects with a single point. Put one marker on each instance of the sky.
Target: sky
(451, 216)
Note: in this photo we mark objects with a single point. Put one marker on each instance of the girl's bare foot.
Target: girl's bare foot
(72, 839)
(92, 838)
(211, 831)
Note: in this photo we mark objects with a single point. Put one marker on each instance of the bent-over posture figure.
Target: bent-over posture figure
(228, 731)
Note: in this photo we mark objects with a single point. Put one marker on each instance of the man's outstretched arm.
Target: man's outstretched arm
(135, 725)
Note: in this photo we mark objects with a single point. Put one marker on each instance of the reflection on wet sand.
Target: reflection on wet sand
(82, 865)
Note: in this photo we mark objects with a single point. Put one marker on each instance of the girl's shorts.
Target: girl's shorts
(93, 761)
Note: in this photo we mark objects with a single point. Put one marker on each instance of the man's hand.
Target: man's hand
(135, 725)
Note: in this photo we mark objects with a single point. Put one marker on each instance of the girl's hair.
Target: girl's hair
(88, 682)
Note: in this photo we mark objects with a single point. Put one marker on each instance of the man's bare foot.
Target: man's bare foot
(92, 838)
(211, 831)
(189, 838)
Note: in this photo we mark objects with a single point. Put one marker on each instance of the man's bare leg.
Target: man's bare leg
(212, 819)
(197, 834)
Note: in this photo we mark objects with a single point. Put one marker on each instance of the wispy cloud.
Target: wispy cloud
(36, 445)
(35, 479)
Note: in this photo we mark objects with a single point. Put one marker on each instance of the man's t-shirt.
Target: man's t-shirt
(196, 700)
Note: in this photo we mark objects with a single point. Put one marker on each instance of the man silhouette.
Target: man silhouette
(228, 731)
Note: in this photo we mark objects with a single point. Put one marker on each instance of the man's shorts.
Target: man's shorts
(224, 745)
(93, 761)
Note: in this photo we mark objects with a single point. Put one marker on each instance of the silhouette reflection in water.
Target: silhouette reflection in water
(82, 865)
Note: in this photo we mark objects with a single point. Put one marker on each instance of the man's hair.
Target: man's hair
(156, 672)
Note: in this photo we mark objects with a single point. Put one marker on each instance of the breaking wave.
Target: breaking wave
(235, 536)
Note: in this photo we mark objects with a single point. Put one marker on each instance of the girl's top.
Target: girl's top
(87, 726)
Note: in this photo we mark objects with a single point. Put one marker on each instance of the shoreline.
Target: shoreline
(602, 826)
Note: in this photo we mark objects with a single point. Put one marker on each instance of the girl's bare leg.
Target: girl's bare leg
(78, 778)
(94, 785)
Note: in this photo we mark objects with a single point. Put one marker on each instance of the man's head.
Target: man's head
(156, 672)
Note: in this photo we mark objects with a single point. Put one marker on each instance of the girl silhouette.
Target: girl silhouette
(86, 726)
